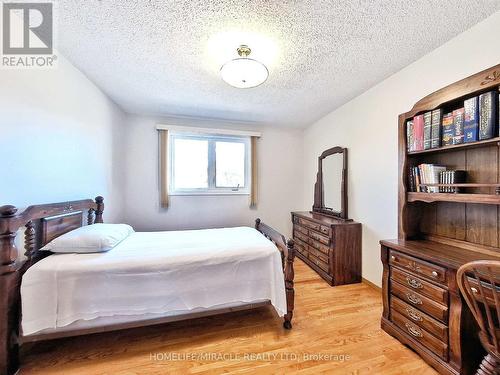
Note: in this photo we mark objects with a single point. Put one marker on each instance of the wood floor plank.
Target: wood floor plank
(328, 323)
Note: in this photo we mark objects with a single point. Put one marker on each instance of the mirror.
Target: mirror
(330, 191)
(333, 166)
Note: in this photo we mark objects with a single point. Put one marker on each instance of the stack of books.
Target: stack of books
(477, 120)
(428, 174)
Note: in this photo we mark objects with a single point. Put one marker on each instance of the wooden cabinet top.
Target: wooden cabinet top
(447, 255)
(323, 219)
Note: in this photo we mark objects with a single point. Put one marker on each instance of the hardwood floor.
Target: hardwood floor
(343, 320)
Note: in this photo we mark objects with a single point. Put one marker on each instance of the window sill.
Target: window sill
(193, 193)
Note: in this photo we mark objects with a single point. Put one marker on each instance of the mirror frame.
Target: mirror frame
(319, 199)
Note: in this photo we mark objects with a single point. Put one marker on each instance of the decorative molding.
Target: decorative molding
(491, 77)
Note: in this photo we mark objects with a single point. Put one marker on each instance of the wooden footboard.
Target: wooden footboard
(287, 257)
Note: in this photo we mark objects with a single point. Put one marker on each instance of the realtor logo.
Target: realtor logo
(27, 35)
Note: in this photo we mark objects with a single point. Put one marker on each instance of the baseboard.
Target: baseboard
(372, 285)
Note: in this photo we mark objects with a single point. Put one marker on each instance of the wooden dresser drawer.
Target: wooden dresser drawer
(325, 230)
(421, 286)
(301, 229)
(309, 224)
(300, 236)
(434, 309)
(421, 319)
(421, 335)
(417, 266)
(318, 262)
(319, 246)
(320, 238)
(320, 255)
(301, 247)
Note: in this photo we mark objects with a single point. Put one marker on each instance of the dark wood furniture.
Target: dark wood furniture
(47, 221)
(479, 283)
(330, 246)
(437, 234)
(319, 188)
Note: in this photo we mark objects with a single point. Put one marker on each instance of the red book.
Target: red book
(418, 128)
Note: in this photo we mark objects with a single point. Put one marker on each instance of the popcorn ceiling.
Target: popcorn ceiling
(163, 57)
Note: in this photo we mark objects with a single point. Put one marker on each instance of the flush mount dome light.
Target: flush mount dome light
(244, 72)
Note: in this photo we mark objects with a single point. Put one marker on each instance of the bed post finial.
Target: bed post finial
(257, 223)
(9, 292)
(289, 276)
(99, 210)
(8, 211)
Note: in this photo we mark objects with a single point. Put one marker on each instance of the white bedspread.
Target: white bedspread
(153, 273)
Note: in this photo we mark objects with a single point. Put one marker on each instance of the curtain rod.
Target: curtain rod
(190, 129)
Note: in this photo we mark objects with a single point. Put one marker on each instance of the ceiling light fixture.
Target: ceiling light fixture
(244, 72)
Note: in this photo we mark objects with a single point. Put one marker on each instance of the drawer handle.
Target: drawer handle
(474, 290)
(393, 258)
(413, 299)
(414, 315)
(414, 283)
(434, 274)
(414, 331)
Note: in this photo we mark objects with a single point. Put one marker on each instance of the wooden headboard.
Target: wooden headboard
(42, 223)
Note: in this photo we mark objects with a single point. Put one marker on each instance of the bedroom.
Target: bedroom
(141, 103)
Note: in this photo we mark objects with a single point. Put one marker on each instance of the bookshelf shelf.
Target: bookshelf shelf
(453, 197)
(462, 146)
(464, 185)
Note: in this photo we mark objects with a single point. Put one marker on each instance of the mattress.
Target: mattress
(153, 274)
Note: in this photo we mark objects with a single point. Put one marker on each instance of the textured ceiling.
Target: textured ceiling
(163, 57)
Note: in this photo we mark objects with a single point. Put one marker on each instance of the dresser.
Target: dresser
(330, 246)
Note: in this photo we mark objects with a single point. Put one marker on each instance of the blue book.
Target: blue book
(471, 119)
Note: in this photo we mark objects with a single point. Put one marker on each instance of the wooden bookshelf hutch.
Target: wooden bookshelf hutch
(437, 233)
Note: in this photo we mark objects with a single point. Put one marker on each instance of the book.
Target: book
(418, 180)
(458, 177)
(458, 125)
(435, 171)
(445, 175)
(436, 115)
(412, 184)
(427, 130)
(410, 140)
(471, 119)
(451, 177)
(448, 131)
(418, 132)
(488, 115)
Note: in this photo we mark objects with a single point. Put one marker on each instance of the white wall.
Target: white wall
(59, 139)
(367, 125)
(280, 187)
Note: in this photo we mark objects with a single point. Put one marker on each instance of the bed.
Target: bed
(148, 278)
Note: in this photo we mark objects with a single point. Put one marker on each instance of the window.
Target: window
(209, 164)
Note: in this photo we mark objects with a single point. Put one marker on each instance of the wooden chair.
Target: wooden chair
(479, 282)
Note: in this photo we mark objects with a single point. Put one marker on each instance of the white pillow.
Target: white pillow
(93, 238)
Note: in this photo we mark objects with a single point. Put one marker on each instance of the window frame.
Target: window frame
(212, 189)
